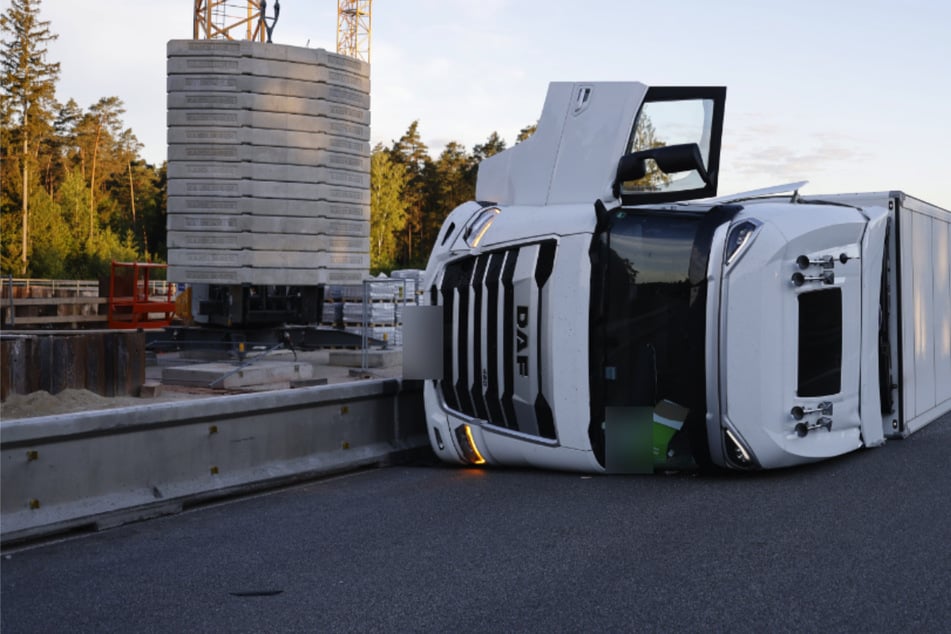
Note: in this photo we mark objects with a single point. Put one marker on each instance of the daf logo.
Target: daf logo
(521, 339)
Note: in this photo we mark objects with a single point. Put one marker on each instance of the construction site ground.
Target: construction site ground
(328, 367)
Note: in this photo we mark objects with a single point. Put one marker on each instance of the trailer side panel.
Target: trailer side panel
(925, 240)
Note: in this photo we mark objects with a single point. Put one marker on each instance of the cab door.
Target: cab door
(674, 148)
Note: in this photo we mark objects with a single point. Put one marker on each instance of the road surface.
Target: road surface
(862, 543)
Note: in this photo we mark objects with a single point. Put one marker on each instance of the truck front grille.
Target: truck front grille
(492, 320)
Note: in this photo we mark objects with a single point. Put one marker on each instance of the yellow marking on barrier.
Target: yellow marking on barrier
(212, 430)
(34, 504)
(346, 445)
(214, 471)
(32, 455)
(345, 409)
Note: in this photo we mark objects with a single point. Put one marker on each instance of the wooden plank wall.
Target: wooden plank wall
(109, 363)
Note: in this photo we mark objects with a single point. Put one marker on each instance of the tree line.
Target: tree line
(75, 192)
(411, 193)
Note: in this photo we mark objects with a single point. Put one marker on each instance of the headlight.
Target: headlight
(737, 455)
(478, 227)
(740, 237)
(467, 444)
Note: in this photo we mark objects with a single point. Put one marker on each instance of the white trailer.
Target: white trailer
(597, 310)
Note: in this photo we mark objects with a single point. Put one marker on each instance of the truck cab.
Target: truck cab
(599, 310)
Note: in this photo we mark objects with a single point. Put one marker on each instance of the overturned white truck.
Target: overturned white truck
(596, 310)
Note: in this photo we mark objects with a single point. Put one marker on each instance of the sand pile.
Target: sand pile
(43, 403)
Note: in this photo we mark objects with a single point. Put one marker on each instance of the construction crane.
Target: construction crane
(229, 19)
(224, 19)
(353, 28)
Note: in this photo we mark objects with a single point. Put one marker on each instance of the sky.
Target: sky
(850, 95)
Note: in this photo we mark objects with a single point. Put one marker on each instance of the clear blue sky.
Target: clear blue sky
(851, 95)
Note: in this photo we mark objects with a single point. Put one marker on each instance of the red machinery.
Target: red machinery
(131, 304)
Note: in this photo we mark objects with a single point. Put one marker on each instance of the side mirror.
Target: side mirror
(670, 159)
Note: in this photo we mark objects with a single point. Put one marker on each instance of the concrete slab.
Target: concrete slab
(192, 117)
(205, 152)
(268, 86)
(267, 103)
(205, 64)
(211, 222)
(225, 147)
(266, 172)
(268, 207)
(378, 312)
(268, 121)
(207, 205)
(263, 50)
(279, 69)
(305, 56)
(273, 276)
(266, 224)
(200, 135)
(232, 376)
(208, 187)
(318, 136)
(374, 358)
(300, 241)
(308, 208)
(268, 154)
(267, 189)
(268, 259)
(203, 47)
(207, 100)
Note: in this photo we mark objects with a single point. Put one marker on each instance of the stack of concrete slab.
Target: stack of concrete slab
(374, 308)
(268, 164)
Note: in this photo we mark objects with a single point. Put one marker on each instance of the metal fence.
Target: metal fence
(45, 302)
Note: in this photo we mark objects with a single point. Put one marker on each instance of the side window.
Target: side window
(820, 343)
(672, 122)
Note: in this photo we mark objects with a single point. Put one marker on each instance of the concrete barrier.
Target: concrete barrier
(108, 467)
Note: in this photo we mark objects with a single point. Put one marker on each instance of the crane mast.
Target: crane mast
(353, 28)
(231, 20)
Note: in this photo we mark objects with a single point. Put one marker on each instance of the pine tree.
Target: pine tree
(450, 186)
(526, 132)
(413, 153)
(28, 95)
(388, 179)
(102, 128)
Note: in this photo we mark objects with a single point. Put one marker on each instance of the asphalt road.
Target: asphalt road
(857, 544)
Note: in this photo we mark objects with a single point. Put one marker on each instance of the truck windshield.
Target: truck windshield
(648, 320)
